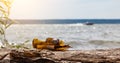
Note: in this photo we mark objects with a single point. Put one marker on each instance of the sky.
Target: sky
(65, 9)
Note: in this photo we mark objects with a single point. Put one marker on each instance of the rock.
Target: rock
(5, 61)
(88, 56)
(4, 55)
(73, 56)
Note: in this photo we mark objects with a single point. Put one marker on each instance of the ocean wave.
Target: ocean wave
(104, 42)
(93, 44)
(74, 24)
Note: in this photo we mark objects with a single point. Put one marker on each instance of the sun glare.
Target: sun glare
(23, 8)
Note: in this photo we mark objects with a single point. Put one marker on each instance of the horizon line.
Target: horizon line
(67, 19)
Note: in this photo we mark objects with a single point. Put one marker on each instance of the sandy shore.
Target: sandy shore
(73, 56)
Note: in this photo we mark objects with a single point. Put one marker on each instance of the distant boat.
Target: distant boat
(88, 23)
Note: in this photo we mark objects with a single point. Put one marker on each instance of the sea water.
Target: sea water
(77, 35)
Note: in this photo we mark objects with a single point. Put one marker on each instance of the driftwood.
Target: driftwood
(47, 56)
(74, 56)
